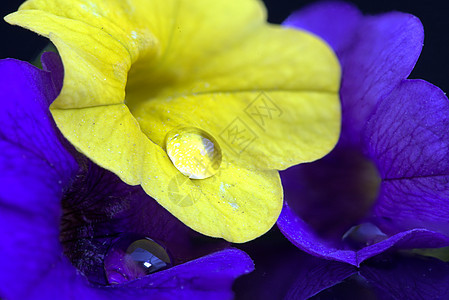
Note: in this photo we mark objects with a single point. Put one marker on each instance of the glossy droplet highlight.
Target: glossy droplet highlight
(363, 235)
(132, 257)
(194, 152)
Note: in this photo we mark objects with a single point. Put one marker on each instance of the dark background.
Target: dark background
(432, 66)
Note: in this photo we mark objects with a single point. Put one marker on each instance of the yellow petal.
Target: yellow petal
(302, 127)
(270, 108)
(237, 204)
(207, 64)
(96, 61)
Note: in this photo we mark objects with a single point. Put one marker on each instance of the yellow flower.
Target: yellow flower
(209, 79)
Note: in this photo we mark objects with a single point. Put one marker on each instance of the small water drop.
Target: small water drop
(363, 235)
(194, 152)
(133, 256)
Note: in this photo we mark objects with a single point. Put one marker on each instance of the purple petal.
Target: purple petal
(303, 237)
(408, 134)
(324, 199)
(413, 277)
(408, 138)
(333, 193)
(207, 277)
(394, 276)
(334, 22)
(421, 202)
(283, 272)
(35, 168)
(99, 208)
(26, 123)
(316, 275)
(375, 56)
(383, 53)
(353, 287)
(33, 266)
(52, 62)
(416, 238)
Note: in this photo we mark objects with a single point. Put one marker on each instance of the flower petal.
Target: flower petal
(385, 48)
(25, 91)
(283, 272)
(303, 237)
(335, 22)
(97, 52)
(33, 265)
(408, 138)
(100, 209)
(52, 62)
(378, 55)
(394, 276)
(386, 51)
(263, 130)
(333, 193)
(255, 84)
(34, 169)
(415, 238)
(207, 277)
(417, 277)
(411, 203)
(218, 199)
(316, 275)
(173, 56)
(408, 134)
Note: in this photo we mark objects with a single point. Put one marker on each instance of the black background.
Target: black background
(432, 66)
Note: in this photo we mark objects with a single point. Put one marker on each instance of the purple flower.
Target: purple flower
(68, 237)
(297, 275)
(385, 185)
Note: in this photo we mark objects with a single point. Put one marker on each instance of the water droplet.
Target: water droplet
(133, 256)
(194, 152)
(363, 235)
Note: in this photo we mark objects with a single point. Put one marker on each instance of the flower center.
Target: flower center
(194, 152)
(105, 227)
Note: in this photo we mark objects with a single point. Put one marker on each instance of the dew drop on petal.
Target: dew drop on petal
(363, 235)
(132, 257)
(194, 152)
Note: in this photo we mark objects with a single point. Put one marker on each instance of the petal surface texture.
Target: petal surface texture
(135, 70)
(389, 170)
(35, 172)
(408, 138)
